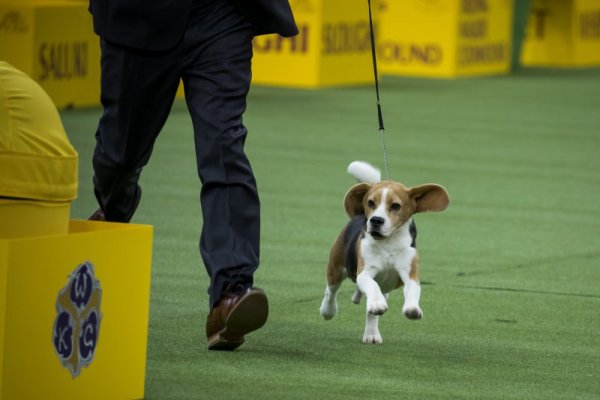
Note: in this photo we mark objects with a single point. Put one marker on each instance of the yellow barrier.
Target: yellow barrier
(74, 313)
(332, 48)
(445, 38)
(563, 33)
(54, 43)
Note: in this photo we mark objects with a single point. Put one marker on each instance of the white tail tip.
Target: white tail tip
(364, 172)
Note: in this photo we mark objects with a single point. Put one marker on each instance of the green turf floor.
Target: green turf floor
(510, 272)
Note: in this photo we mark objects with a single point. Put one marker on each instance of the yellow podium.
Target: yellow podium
(563, 33)
(445, 38)
(54, 43)
(331, 49)
(74, 313)
(74, 295)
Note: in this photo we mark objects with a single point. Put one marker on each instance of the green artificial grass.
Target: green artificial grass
(510, 271)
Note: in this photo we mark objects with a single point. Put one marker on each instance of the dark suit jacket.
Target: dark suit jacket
(159, 24)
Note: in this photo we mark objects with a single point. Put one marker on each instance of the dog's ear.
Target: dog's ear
(429, 197)
(353, 201)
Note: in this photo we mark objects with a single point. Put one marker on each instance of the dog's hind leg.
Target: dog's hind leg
(336, 273)
(329, 305)
(356, 296)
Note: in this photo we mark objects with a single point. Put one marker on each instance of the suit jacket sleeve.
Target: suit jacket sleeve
(270, 16)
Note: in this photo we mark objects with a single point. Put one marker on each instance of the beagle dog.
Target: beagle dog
(377, 248)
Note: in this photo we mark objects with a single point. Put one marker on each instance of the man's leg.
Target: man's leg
(216, 81)
(137, 91)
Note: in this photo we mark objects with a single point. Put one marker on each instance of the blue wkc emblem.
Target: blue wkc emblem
(77, 324)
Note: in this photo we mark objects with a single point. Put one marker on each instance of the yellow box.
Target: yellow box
(27, 218)
(445, 38)
(53, 43)
(74, 313)
(331, 49)
(180, 92)
(563, 33)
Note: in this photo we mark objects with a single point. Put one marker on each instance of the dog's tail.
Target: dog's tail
(364, 172)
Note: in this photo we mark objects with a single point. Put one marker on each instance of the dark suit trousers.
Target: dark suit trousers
(138, 88)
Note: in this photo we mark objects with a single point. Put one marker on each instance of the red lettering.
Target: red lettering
(279, 44)
(473, 29)
(346, 38)
(589, 25)
(63, 60)
(473, 6)
(485, 54)
(539, 15)
(397, 53)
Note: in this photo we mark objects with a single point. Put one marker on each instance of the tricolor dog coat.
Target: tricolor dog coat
(377, 248)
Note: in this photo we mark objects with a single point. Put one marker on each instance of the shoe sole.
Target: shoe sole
(248, 315)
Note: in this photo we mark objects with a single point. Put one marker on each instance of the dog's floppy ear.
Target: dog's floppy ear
(353, 202)
(429, 197)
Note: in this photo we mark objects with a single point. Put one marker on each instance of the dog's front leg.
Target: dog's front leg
(412, 295)
(372, 335)
(356, 296)
(376, 303)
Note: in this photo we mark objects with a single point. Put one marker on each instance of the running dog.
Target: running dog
(377, 248)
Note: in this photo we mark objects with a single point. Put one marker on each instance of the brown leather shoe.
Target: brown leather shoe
(236, 315)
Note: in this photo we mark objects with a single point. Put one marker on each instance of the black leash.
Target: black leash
(379, 113)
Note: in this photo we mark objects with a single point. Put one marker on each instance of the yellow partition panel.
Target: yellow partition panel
(331, 49)
(445, 38)
(74, 313)
(563, 33)
(54, 43)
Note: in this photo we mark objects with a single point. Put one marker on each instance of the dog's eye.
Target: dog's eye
(395, 206)
(371, 204)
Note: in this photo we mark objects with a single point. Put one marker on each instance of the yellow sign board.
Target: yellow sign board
(444, 38)
(73, 314)
(563, 33)
(53, 43)
(331, 49)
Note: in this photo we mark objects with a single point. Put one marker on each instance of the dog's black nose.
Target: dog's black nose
(376, 222)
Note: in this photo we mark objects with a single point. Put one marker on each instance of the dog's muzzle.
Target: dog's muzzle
(375, 225)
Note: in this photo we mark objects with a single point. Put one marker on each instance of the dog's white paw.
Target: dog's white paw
(377, 307)
(356, 297)
(372, 338)
(412, 312)
(328, 310)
